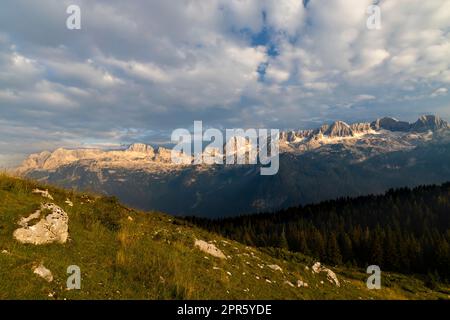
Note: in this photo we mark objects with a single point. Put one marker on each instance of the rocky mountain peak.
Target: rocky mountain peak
(429, 122)
(391, 124)
(339, 129)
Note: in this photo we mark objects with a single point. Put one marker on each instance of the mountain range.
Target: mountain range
(334, 160)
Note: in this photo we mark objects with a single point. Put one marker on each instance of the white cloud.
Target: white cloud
(439, 92)
(364, 97)
(277, 74)
(285, 15)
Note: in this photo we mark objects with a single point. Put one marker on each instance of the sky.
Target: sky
(139, 69)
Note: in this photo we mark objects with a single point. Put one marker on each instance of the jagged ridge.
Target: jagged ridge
(146, 157)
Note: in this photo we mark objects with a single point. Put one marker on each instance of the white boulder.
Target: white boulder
(331, 276)
(54, 227)
(210, 249)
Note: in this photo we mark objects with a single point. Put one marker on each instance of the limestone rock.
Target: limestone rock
(316, 267)
(43, 272)
(301, 284)
(275, 267)
(54, 227)
(43, 193)
(210, 249)
(331, 276)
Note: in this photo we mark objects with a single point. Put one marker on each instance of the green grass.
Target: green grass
(127, 254)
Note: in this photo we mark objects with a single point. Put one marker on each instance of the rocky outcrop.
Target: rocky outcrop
(43, 193)
(331, 276)
(53, 226)
(209, 248)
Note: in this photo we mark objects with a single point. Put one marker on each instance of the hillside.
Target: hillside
(127, 254)
(404, 230)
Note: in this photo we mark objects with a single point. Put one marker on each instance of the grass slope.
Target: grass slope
(127, 254)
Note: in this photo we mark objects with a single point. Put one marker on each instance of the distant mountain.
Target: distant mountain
(337, 159)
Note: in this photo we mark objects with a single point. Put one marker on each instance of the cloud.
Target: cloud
(137, 70)
(364, 97)
(439, 92)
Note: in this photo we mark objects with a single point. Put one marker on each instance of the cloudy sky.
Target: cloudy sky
(140, 68)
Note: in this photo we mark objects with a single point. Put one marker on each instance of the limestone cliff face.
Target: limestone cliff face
(361, 128)
(339, 129)
(381, 136)
(424, 123)
(142, 148)
(390, 124)
(136, 156)
(429, 122)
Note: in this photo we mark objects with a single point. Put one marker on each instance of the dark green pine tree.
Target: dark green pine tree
(247, 238)
(303, 244)
(376, 248)
(317, 245)
(333, 253)
(283, 243)
(345, 243)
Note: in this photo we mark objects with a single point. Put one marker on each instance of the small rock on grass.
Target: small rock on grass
(43, 272)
